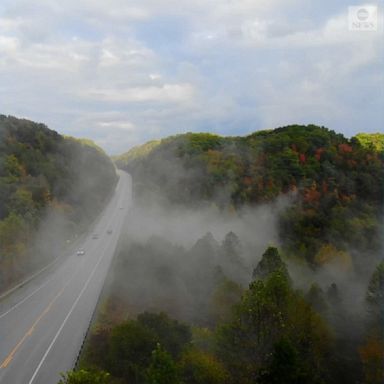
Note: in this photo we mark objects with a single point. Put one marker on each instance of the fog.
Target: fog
(173, 258)
(178, 260)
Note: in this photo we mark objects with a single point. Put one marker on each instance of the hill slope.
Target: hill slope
(46, 180)
(338, 183)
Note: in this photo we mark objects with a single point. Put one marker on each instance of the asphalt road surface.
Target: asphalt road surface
(43, 324)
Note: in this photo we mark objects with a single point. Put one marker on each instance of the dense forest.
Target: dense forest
(252, 259)
(337, 184)
(172, 315)
(51, 188)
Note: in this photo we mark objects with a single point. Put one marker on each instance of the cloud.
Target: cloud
(161, 94)
(122, 125)
(146, 69)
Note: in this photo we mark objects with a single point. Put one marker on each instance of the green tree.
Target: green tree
(375, 293)
(269, 311)
(129, 354)
(162, 368)
(226, 294)
(231, 248)
(172, 335)
(269, 263)
(285, 366)
(198, 367)
(85, 377)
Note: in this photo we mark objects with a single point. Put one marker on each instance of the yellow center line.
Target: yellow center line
(9, 358)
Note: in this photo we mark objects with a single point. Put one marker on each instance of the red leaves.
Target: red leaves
(318, 153)
(345, 148)
(302, 158)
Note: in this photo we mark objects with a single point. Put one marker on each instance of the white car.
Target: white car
(80, 252)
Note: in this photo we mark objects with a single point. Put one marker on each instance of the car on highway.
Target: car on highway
(80, 252)
(95, 236)
(109, 231)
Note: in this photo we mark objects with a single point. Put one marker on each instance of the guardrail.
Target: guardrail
(98, 303)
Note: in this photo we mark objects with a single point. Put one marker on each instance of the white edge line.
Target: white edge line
(26, 298)
(30, 278)
(65, 320)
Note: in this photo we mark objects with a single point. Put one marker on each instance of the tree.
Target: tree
(269, 311)
(198, 367)
(172, 335)
(269, 263)
(231, 248)
(226, 295)
(162, 369)
(85, 377)
(231, 257)
(285, 366)
(372, 351)
(130, 348)
(316, 298)
(372, 358)
(246, 340)
(375, 293)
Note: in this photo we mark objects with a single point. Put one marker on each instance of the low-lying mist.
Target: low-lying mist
(173, 259)
(176, 260)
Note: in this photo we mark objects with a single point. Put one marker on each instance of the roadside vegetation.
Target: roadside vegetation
(51, 187)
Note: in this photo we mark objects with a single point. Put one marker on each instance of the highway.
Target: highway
(43, 324)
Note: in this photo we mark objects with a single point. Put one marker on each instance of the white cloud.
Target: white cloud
(176, 65)
(8, 45)
(164, 93)
(121, 125)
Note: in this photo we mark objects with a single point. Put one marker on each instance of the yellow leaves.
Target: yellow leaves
(329, 254)
(13, 167)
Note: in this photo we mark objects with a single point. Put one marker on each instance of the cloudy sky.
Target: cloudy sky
(122, 72)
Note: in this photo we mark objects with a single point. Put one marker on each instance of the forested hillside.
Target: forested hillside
(338, 183)
(254, 259)
(51, 187)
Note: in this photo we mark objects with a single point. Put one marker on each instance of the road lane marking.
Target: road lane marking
(66, 319)
(40, 287)
(26, 298)
(9, 358)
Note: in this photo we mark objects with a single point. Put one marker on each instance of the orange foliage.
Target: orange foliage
(345, 148)
(318, 153)
(311, 194)
(247, 180)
